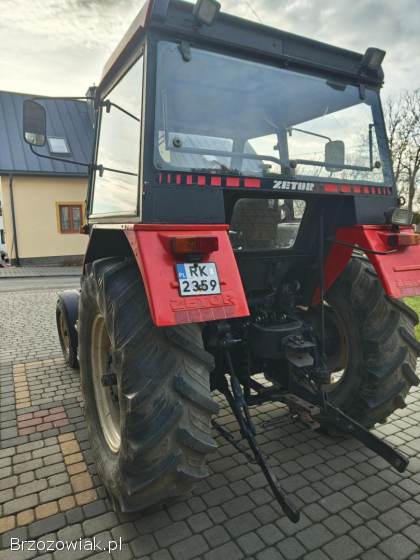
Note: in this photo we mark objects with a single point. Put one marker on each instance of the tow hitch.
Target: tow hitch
(308, 403)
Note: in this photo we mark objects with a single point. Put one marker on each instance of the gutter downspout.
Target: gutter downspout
(12, 204)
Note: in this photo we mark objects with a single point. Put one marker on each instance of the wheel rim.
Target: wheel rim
(106, 397)
(64, 335)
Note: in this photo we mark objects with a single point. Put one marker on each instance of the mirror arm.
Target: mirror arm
(90, 166)
(108, 104)
(58, 158)
(291, 128)
(101, 170)
(62, 98)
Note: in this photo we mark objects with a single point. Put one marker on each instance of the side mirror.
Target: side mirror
(34, 123)
(334, 155)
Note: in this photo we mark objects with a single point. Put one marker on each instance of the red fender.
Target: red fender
(157, 267)
(399, 272)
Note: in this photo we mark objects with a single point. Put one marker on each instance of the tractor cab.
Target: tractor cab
(219, 120)
(195, 115)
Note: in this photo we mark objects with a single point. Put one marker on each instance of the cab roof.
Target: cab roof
(234, 34)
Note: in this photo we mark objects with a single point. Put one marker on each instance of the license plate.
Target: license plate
(198, 279)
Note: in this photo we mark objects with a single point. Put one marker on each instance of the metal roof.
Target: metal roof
(65, 119)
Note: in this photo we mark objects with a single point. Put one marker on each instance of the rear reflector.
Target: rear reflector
(194, 245)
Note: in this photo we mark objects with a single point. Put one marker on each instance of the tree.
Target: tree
(402, 116)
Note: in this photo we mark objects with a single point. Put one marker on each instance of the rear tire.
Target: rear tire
(382, 348)
(163, 391)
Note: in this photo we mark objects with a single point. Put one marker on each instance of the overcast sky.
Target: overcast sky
(58, 47)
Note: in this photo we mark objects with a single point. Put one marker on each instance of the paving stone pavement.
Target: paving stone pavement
(353, 505)
(38, 271)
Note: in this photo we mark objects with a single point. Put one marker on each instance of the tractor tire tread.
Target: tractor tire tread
(383, 329)
(164, 387)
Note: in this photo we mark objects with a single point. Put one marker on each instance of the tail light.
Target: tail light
(404, 239)
(194, 245)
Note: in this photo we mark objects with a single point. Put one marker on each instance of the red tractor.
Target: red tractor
(246, 236)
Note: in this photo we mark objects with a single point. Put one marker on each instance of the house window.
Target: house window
(58, 145)
(70, 217)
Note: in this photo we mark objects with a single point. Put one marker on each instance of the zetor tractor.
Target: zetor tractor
(246, 236)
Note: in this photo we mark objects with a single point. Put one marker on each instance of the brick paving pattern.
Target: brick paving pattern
(38, 271)
(353, 505)
(41, 420)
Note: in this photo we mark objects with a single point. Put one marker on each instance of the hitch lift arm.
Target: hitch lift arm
(330, 414)
(236, 399)
(335, 416)
(312, 406)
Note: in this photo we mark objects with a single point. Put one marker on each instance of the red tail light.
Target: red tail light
(194, 245)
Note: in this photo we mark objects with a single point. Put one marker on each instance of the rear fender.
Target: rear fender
(157, 267)
(398, 271)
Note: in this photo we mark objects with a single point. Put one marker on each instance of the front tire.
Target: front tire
(382, 350)
(155, 446)
(66, 318)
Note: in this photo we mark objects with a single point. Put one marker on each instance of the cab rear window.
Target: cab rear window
(265, 223)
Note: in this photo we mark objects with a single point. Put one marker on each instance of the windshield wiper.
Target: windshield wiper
(296, 162)
(223, 169)
(293, 163)
(223, 153)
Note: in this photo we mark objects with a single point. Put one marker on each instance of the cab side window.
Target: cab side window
(116, 191)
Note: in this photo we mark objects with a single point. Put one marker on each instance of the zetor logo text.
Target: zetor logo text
(294, 186)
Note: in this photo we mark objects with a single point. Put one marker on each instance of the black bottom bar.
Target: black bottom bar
(346, 424)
